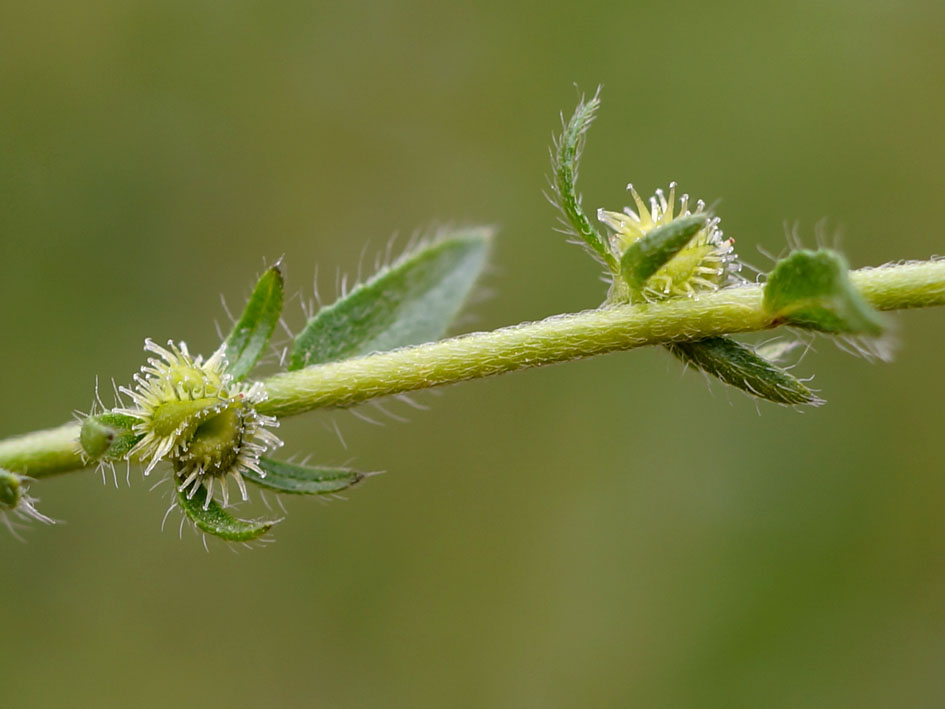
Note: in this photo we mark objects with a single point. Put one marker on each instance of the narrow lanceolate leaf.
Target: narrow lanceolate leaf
(648, 254)
(812, 289)
(250, 335)
(412, 301)
(564, 162)
(303, 479)
(217, 521)
(741, 367)
(109, 435)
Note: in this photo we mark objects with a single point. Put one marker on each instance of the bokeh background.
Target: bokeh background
(605, 533)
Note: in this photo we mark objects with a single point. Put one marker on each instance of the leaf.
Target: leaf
(565, 158)
(216, 521)
(812, 289)
(109, 435)
(302, 480)
(741, 367)
(250, 335)
(651, 252)
(408, 303)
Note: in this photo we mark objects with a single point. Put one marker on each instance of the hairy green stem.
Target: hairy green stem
(43, 453)
(567, 337)
(556, 339)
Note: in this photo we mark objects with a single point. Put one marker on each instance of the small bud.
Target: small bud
(667, 252)
(193, 414)
(108, 436)
(648, 254)
(14, 501)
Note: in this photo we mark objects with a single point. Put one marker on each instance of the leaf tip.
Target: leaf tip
(812, 289)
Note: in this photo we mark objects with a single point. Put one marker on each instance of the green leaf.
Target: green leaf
(812, 289)
(408, 303)
(250, 335)
(741, 367)
(565, 158)
(216, 521)
(650, 253)
(108, 435)
(301, 479)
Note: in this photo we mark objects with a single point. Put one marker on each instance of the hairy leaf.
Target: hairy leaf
(741, 367)
(812, 289)
(250, 335)
(217, 521)
(564, 162)
(650, 253)
(302, 479)
(408, 303)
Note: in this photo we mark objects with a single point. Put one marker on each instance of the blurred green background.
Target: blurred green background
(604, 533)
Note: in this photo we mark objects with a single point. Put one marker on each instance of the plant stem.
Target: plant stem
(555, 339)
(567, 337)
(43, 453)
